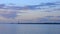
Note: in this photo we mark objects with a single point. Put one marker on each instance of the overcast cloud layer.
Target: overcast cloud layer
(43, 13)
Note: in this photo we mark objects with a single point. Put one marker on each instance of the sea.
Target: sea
(29, 28)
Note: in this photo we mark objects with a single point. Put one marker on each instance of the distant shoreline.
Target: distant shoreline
(29, 23)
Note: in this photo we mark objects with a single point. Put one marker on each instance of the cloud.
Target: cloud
(8, 16)
(30, 16)
(2, 5)
(7, 13)
(49, 19)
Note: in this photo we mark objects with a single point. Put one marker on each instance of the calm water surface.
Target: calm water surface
(29, 29)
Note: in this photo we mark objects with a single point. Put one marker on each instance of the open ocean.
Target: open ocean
(29, 29)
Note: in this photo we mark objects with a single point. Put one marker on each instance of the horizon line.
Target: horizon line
(29, 23)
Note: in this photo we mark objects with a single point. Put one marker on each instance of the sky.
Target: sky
(46, 13)
(25, 2)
